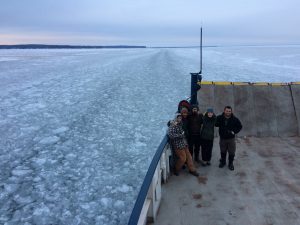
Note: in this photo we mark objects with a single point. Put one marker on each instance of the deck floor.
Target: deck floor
(263, 189)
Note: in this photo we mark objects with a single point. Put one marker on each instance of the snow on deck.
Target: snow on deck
(263, 189)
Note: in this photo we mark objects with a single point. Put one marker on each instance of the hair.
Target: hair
(227, 107)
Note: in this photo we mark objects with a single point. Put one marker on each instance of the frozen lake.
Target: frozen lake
(79, 127)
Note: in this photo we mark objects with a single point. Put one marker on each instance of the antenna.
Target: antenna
(196, 77)
(200, 51)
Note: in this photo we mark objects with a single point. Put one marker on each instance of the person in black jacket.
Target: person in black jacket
(229, 126)
(194, 128)
(207, 136)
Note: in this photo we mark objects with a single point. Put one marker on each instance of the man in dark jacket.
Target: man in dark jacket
(229, 126)
(194, 128)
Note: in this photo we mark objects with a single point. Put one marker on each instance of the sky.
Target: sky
(149, 22)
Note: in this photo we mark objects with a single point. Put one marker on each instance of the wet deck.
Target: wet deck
(263, 189)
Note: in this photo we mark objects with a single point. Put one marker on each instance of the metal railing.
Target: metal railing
(148, 200)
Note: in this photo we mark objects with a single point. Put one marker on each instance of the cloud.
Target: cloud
(150, 22)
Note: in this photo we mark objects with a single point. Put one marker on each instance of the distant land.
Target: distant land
(43, 46)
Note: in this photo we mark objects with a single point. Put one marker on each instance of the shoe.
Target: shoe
(208, 163)
(194, 173)
(231, 167)
(203, 163)
(176, 173)
(230, 164)
(222, 164)
(198, 160)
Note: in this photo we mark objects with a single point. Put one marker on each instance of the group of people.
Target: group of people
(191, 131)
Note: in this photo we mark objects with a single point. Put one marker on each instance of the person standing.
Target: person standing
(194, 128)
(207, 136)
(229, 125)
(185, 119)
(179, 143)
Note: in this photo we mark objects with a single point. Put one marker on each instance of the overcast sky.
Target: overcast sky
(149, 22)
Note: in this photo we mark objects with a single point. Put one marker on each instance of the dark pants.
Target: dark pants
(227, 145)
(206, 149)
(194, 146)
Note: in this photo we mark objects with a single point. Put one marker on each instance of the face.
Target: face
(210, 114)
(227, 112)
(178, 119)
(195, 111)
(184, 113)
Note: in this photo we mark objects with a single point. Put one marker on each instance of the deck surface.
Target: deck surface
(263, 189)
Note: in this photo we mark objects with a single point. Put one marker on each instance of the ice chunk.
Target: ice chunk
(49, 140)
(23, 200)
(40, 161)
(20, 172)
(124, 188)
(60, 130)
(41, 214)
(70, 156)
(119, 204)
(10, 188)
(140, 144)
(85, 206)
(106, 202)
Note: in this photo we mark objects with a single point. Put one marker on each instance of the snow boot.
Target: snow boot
(222, 160)
(230, 164)
(194, 173)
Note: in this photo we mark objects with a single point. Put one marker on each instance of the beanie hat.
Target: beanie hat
(195, 107)
(184, 109)
(210, 110)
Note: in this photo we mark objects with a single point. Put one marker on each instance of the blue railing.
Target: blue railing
(135, 214)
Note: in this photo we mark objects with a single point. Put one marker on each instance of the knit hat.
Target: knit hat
(195, 107)
(210, 110)
(184, 109)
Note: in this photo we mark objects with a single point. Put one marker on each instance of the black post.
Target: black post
(195, 77)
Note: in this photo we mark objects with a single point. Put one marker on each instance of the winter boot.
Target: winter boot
(194, 173)
(222, 160)
(230, 164)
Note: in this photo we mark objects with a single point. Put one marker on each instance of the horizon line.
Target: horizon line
(40, 46)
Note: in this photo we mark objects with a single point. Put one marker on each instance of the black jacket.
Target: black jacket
(228, 127)
(208, 128)
(194, 124)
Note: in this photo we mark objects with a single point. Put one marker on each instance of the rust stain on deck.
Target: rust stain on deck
(197, 196)
(202, 179)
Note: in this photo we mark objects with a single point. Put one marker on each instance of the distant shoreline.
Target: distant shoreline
(46, 46)
(42, 46)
